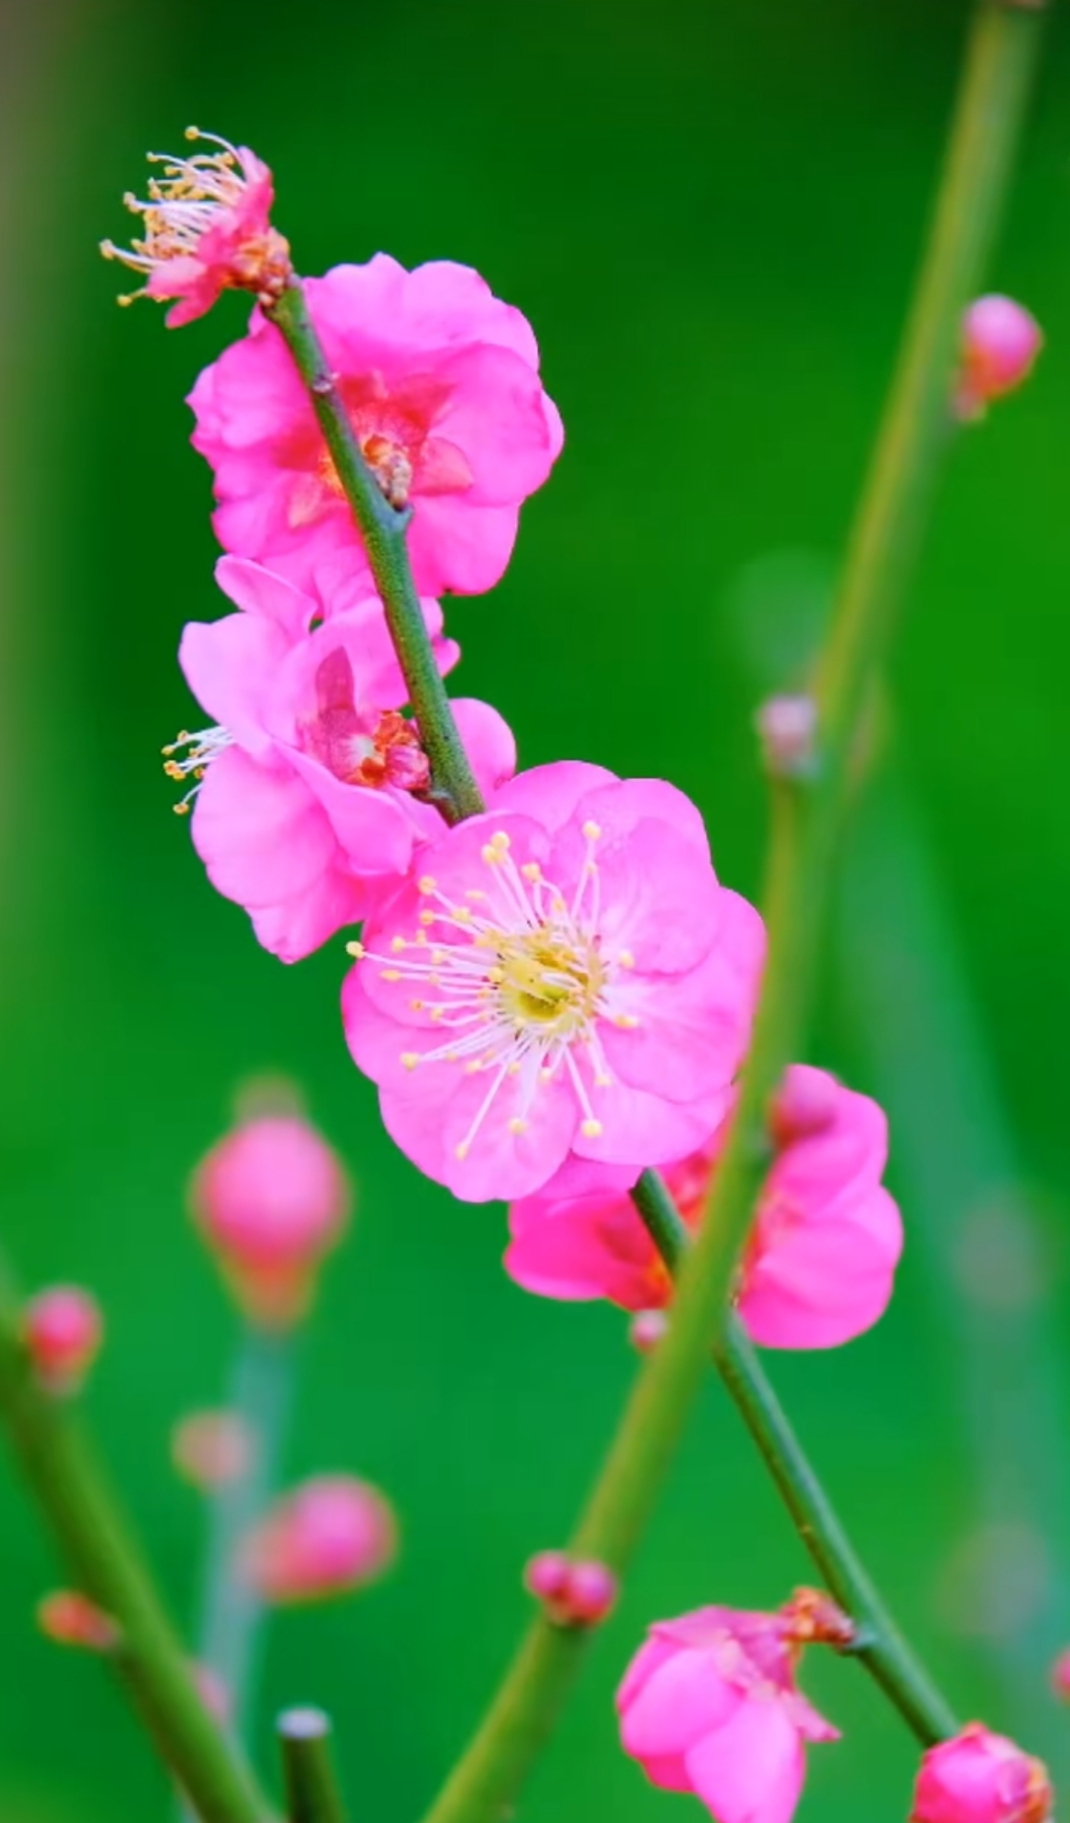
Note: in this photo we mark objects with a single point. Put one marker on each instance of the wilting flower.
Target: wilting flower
(271, 1198)
(710, 1706)
(980, 1777)
(818, 1266)
(63, 1329)
(207, 229)
(306, 791)
(441, 383)
(1000, 342)
(332, 1534)
(561, 976)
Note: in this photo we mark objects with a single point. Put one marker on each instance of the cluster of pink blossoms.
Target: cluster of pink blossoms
(551, 996)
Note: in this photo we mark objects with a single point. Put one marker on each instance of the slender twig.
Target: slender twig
(383, 527)
(807, 813)
(881, 1647)
(232, 1610)
(107, 1564)
(312, 1794)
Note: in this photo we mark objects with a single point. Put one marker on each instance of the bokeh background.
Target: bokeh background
(711, 214)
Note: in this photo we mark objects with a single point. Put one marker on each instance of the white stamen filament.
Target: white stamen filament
(202, 748)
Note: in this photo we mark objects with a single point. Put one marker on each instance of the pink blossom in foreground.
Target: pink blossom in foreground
(563, 977)
(820, 1262)
(441, 383)
(63, 1329)
(980, 1777)
(332, 1534)
(306, 793)
(207, 229)
(1000, 342)
(271, 1198)
(710, 1706)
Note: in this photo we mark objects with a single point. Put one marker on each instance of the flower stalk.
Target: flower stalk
(106, 1562)
(312, 1794)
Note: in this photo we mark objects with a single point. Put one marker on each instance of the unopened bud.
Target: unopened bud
(330, 1535)
(787, 730)
(804, 1104)
(813, 1619)
(1060, 1676)
(573, 1594)
(63, 1329)
(72, 1619)
(646, 1330)
(981, 1777)
(213, 1449)
(213, 1693)
(1000, 342)
(271, 1199)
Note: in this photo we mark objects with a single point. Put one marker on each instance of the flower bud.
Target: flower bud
(787, 730)
(980, 1777)
(573, 1594)
(72, 1619)
(331, 1534)
(646, 1330)
(212, 1449)
(213, 1693)
(1060, 1676)
(546, 1575)
(1000, 342)
(63, 1330)
(271, 1198)
(804, 1104)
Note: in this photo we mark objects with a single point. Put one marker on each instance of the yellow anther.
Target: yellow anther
(427, 917)
(495, 975)
(426, 883)
(438, 957)
(355, 949)
(473, 1068)
(500, 839)
(491, 855)
(397, 944)
(475, 892)
(437, 1012)
(462, 1149)
(518, 1126)
(410, 1059)
(390, 974)
(591, 1129)
(603, 1082)
(531, 870)
(592, 831)
(416, 1006)
(421, 936)
(626, 1021)
(545, 1074)
(625, 958)
(463, 915)
(513, 1070)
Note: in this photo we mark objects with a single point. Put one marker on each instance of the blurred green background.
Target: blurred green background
(710, 212)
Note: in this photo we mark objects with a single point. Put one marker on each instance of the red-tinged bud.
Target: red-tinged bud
(646, 1330)
(271, 1199)
(981, 1777)
(212, 1449)
(1060, 1676)
(63, 1329)
(330, 1535)
(573, 1594)
(72, 1619)
(787, 730)
(804, 1104)
(814, 1619)
(1000, 342)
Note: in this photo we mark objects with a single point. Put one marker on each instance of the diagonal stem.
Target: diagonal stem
(103, 1556)
(882, 1649)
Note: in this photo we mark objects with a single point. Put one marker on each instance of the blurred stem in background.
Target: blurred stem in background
(312, 1794)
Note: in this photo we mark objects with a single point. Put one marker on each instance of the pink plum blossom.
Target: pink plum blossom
(562, 977)
(207, 229)
(710, 1706)
(306, 796)
(1001, 340)
(819, 1264)
(271, 1198)
(980, 1777)
(331, 1534)
(62, 1329)
(441, 383)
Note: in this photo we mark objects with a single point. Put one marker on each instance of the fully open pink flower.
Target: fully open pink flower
(441, 383)
(819, 1264)
(980, 1777)
(561, 976)
(710, 1706)
(207, 229)
(306, 805)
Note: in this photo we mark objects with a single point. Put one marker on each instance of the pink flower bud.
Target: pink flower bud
(213, 1693)
(546, 1575)
(787, 729)
(72, 1619)
(1000, 342)
(981, 1777)
(63, 1330)
(271, 1198)
(573, 1594)
(646, 1330)
(804, 1104)
(331, 1534)
(1060, 1676)
(212, 1449)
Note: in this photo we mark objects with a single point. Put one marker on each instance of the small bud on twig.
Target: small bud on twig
(573, 1594)
(787, 729)
(71, 1619)
(63, 1329)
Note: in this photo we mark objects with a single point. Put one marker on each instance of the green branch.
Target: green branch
(312, 1794)
(107, 1566)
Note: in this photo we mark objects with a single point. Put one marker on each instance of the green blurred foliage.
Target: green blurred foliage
(711, 214)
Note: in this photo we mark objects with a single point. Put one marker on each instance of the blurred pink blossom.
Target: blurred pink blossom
(331, 1534)
(563, 977)
(271, 1197)
(63, 1329)
(710, 1706)
(1000, 342)
(819, 1264)
(441, 383)
(303, 793)
(207, 229)
(980, 1777)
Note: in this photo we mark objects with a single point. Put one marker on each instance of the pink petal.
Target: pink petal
(229, 665)
(295, 927)
(680, 1702)
(373, 827)
(652, 1653)
(260, 591)
(632, 801)
(495, 418)
(640, 1128)
(260, 834)
(582, 1251)
(751, 1770)
(551, 793)
(456, 545)
(820, 1282)
(659, 895)
(445, 301)
(489, 742)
